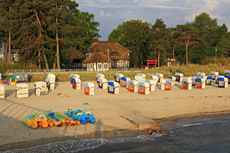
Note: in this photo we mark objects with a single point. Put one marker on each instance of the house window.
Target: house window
(121, 63)
(105, 66)
(114, 54)
(99, 66)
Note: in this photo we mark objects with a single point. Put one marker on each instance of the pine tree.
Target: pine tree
(187, 35)
(8, 15)
(159, 39)
(32, 34)
(62, 11)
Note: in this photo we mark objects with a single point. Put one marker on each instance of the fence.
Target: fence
(71, 70)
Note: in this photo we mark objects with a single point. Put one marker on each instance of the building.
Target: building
(98, 62)
(110, 53)
(14, 54)
(169, 60)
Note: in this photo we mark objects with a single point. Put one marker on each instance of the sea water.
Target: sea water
(211, 135)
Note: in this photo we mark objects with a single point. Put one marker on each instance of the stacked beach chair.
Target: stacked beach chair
(152, 84)
(193, 80)
(155, 78)
(227, 75)
(173, 79)
(22, 90)
(102, 83)
(2, 91)
(40, 87)
(200, 75)
(143, 88)
(76, 83)
(113, 87)
(166, 84)
(133, 86)
(124, 81)
(179, 76)
(222, 81)
(99, 75)
(187, 83)
(214, 74)
(118, 77)
(88, 88)
(50, 81)
(208, 80)
(200, 83)
(227, 72)
(160, 77)
(140, 77)
(73, 77)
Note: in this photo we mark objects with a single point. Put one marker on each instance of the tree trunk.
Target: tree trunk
(158, 58)
(6, 49)
(40, 37)
(10, 41)
(39, 60)
(173, 53)
(10, 48)
(57, 39)
(47, 66)
(187, 42)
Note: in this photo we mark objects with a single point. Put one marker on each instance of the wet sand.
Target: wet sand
(165, 107)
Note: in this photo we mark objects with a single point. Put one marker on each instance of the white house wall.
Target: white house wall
(95, 66)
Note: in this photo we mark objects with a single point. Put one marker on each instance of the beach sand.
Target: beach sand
(165, 107)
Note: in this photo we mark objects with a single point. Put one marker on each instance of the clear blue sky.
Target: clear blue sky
(111, 13)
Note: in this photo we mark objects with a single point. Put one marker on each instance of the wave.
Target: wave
(76, 146)
(189, 125)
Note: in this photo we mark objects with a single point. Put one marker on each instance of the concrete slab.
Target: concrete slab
(143, 123)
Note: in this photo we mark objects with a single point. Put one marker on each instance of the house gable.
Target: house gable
(110, 48)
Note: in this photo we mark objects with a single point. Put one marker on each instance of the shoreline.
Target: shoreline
(116, 133)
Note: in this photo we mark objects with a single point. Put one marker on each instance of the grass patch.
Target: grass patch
(190, 70)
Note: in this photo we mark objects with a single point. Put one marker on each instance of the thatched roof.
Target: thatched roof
(97, 57)
(113, 46)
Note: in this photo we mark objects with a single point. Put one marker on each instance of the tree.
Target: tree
(118, 34)
(63, 12)
(203, 22)
(32, 35)
(136, 36)
(224, 46)
(85, 33)
(159, 38)
(187, 36)
(8, 14)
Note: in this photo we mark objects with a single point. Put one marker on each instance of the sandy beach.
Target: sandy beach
(165, 107)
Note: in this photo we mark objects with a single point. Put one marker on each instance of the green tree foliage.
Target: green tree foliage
(137, 40)
(187, 36)
(203, 22)
(85, 34)
(46, 30)
(159, 42)
(118, 34)
(61, 12)
(135, 36)
(224, 46)
(8, 22)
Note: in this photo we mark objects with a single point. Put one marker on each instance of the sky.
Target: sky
(111, 13)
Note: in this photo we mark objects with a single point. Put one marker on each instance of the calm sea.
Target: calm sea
(211, 135)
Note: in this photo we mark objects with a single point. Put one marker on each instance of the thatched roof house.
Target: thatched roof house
(99, 52)
(97, 57)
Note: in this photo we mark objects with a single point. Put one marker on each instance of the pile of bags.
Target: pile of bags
(50, 119)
